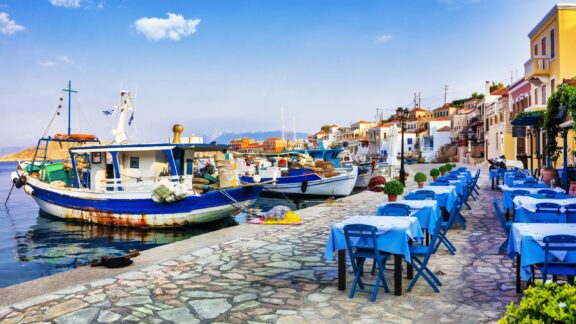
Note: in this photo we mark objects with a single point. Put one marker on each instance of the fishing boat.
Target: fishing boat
(139, 185)
(298, 174)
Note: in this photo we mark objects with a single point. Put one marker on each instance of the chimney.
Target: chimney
(487, 88)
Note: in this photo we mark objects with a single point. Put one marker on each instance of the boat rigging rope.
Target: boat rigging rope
(242, 208)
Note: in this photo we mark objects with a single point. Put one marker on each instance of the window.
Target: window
(552, 44)
(535, 96)
(552, 85)
(134, 162)
(409, 141)
(543, 49)
(536, 49)
(544, 94)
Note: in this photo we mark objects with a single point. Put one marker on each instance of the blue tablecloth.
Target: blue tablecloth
(394, 233)
(467, 174)
(459, 186)
(427, 212)
(446, 196)
(526, 240)
(507, 194)
(509, 179)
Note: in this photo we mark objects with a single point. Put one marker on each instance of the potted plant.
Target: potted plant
(434, 173)
(543, 303)
(420, 178)
(449, 167)
(442, 170)
(393, 189)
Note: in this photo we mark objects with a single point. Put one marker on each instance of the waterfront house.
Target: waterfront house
(436, 135)
(377, 140)
(519, 101)
(552, 61)
(240, 143)
(498, 138)
(274, 145)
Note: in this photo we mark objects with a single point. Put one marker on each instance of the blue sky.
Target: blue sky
(232, 65)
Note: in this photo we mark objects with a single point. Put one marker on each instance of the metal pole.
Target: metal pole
(402, 152)
(532, 151)
(565, 158)
(69, 104)
(538, 148)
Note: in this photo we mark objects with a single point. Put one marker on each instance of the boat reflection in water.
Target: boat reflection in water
(63, 245)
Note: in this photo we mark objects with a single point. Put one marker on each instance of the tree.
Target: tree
(477, 95)
(495, 86)
(325, 128)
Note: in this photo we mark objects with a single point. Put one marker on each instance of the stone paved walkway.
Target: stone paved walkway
(280, 276)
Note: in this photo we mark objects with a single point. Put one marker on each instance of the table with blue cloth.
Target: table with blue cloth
(526, 245)
(394, 235)
(446, 196)
(427, 212)
(510, 181)
(526, 208)
(466, 173)
(507, 193)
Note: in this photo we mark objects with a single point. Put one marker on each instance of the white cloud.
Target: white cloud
(100, 5)
(59, 60)
(66, 3)
(9, 26)
(383, 38)
(174, 27)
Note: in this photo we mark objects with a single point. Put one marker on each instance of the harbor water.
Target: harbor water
(35, 245)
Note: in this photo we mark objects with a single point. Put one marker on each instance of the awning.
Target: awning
(528, 119)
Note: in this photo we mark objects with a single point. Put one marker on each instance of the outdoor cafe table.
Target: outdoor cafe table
(445, 195)
(466, 173)
(495, 175)
(427, 211)
(507, 194)
(510, 181)
(526, 245)
(526, 207)
(394, 233)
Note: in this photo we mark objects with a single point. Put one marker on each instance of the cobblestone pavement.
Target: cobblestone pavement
(280, 276)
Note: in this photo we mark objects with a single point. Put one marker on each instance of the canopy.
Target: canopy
(528, 119)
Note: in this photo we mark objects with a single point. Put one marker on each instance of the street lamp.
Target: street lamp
(402, 114)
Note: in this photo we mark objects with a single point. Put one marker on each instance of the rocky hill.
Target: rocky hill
(56, 151)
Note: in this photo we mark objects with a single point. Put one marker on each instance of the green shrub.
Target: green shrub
(393, 187)
(544, 303)
(419, 177)
(434, 172)
(448, 167)
(442, 169)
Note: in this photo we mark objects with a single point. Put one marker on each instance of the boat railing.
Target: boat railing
(138, 183)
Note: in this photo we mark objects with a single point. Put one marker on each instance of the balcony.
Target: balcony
(537, 66)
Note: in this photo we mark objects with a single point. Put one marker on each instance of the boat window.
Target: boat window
(134, 162)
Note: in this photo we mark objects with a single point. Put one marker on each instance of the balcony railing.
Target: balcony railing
(537, 65)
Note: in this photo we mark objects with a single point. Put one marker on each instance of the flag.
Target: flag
(108, 112)
(131, 119)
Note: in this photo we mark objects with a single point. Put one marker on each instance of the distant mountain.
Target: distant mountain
(10, 149)
(257, 136)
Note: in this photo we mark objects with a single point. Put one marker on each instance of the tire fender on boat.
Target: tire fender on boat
(304, 185)
(19, 182)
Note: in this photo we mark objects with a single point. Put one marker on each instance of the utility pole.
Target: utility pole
(419, 99)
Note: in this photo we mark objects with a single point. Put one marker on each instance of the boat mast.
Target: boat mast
(69, 90)
(125, 105)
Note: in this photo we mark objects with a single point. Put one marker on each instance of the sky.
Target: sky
(218, 66)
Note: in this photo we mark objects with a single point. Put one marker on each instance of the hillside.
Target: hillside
(56, 151)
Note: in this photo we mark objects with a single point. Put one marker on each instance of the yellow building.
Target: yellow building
(552, 62)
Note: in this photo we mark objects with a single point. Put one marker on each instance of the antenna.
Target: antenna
(282, 124)
(70, 91)
(294, 127)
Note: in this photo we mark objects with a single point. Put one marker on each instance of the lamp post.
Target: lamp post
(402, 114)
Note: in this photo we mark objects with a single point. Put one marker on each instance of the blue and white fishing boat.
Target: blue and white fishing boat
(307, 179)
(138, 185)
